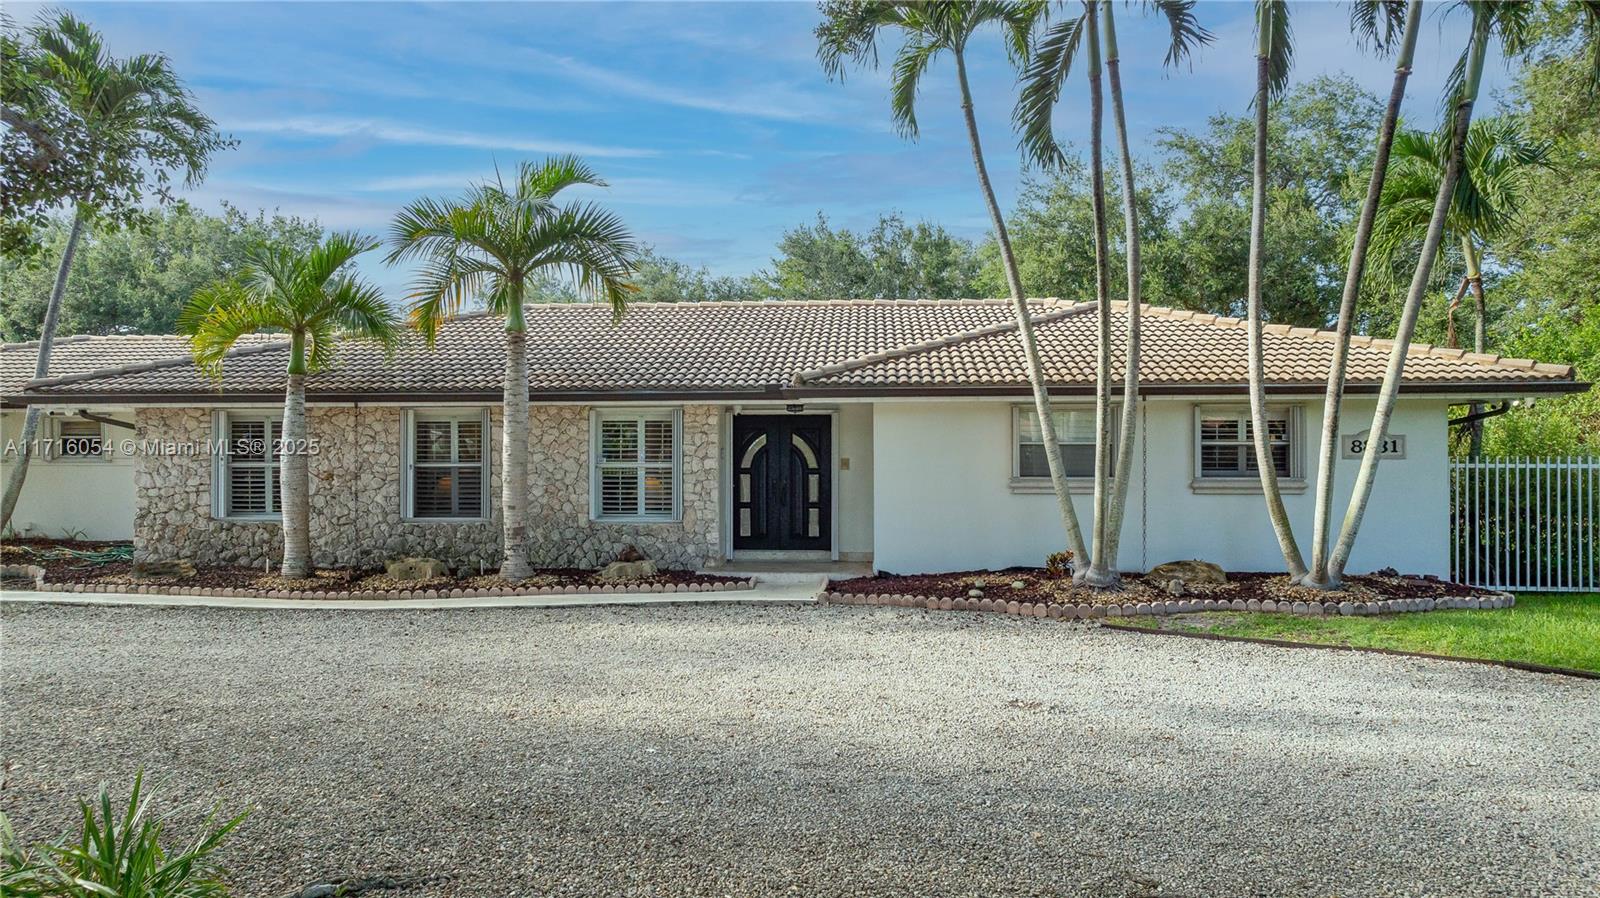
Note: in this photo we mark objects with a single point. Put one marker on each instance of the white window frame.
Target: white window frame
(675, 415)
(408, 462)
(58, 442)
(1294, 482)
(222, 450)
(1037, 483)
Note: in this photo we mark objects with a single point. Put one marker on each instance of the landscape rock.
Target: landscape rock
(1190, 572)
(151, 569)
(415, 568)
(627, 570)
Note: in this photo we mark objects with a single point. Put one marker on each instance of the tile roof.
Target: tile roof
(83, 355)
(777, 348)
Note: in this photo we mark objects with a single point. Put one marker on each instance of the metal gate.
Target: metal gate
(1526, 523)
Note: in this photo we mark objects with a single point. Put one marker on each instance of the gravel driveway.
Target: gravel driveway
(812, 751)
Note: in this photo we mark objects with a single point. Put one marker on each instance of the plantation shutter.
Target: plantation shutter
(447, 459)
(636, 465)
(252, 474)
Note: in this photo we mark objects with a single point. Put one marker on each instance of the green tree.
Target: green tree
(491, 246)
(659, 278)
(137, 279)
(848, 35)
(312, 297)
(141, 125)
(1319, 152)
(892, 261)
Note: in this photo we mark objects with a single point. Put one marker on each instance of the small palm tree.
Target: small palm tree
(138, 118)
(1043, 80)
(848, 35)
(491, 245)
(317, 301)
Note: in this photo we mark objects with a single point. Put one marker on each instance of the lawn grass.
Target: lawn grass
(1555, 629)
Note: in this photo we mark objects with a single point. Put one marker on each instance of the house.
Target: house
(896, 432)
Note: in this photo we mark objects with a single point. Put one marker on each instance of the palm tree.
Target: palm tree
(1500, 157)
(1274, 51)
(1375, 23)
(1507, 20)
(491, 245)
(848, 34)
(1043, 79)
(134, 112)
(317, 301)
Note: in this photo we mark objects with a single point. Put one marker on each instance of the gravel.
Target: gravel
(817, 751)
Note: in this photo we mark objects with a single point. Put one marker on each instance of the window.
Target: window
(636, 465)
(78, 438)
(447, 466)
(248, 466)
(1075, 432)
(1226, 447)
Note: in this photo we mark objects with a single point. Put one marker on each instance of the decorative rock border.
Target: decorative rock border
(1085, 611)
(164, 589)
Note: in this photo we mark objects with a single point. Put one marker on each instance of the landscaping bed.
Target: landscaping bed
(1033, 591)
(77, 566)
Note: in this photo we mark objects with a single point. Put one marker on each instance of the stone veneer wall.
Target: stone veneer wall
(355, 497)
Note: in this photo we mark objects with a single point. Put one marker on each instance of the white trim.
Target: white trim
(221, 427)
(408, 463)
(639, 415)
(1292, 484)
(1077, 484)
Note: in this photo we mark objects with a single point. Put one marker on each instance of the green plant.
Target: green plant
(116, 855)
(1059, 564)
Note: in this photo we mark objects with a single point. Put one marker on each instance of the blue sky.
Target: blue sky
(712, 121)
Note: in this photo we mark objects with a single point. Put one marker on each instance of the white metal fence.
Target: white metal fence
(1526, 523)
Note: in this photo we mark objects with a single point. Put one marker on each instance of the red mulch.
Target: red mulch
(1039, 588)
(65, 569)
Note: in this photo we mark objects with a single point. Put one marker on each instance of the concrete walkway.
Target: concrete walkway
(787, 591)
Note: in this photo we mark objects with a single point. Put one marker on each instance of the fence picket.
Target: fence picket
(1526, 523)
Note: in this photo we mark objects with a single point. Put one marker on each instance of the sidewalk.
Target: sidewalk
(763, 592)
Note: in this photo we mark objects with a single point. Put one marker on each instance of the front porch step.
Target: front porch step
(794, 572)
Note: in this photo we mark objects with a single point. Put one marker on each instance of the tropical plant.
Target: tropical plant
(1044, 77)
(315, 299)
(491, 245)
(1376, 24)
(848, 35)
(1508, 21)
(117, 854)
(141, 126)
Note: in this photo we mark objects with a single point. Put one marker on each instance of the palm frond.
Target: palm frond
(1047, 71)
(906, 77)
(218, 315)
(848, 34)
(1272, 17)
(547, 178)
(1185, 33)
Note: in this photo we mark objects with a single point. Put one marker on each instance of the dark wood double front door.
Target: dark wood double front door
(782, 482)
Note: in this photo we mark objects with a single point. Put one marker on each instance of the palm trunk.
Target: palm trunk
(41, 368)
(1101, 572)
(1450, 315)
(1030, 345)
(293, 463)
(1334, 396)
(1390, 390)
(1130, 374)
(514, 450)
(1258, 390)
(1480, 342)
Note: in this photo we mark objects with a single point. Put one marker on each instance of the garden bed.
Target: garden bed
(1031, 591)
(76, 566)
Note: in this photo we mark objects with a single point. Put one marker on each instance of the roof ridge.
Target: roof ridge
(910, 349)
(34, 344)
(1324, 335)
(141, 367)
(791, 303)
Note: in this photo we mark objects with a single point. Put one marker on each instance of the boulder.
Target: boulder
(1175, 586)
(630, 552)
(627, 570)
(149, 569)
(1190, 572)
(413, 568)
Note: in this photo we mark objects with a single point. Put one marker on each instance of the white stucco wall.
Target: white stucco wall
(91, 498)
(854, 487)
(943, 501)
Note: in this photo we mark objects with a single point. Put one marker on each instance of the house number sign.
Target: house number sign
(1355, 445)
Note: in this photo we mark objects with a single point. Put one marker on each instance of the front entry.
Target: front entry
(782, 482)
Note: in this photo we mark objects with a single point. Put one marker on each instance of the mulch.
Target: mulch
(63, 567)
(1040, 588)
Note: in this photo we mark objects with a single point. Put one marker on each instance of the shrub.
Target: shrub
(1059, 564)
(116, 855)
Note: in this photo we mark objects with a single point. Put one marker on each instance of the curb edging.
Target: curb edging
(1084, 611)
(402, 594)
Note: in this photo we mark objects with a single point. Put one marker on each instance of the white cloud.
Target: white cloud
(389, 132)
